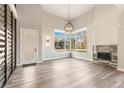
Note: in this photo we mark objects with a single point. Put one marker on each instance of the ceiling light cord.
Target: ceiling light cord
(69, 12)
(69, 27)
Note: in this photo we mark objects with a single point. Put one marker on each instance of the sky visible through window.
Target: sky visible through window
(59, 34)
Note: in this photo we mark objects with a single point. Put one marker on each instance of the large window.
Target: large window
(77, 40)
(62, 40)
(59, 40)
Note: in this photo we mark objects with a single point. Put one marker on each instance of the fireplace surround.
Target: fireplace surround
(105, 53)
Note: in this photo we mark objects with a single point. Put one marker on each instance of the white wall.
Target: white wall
(121, 41)
(108, 29)
(102, 28)
(101, 22)
(49, 24)
(85, 20)
(32, 16)
(105, 24)
(29, 16)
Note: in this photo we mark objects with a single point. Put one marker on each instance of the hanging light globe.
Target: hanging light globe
(69, 27)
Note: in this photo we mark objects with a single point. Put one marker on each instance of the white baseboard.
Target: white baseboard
(40, 61)
(83, 58)
(19, 64)
(54, 58)
(60, 58)
(120, 69)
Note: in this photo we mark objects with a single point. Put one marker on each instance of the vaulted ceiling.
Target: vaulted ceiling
(61, 10)
(76, 10)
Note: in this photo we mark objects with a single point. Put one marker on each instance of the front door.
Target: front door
(28, 46)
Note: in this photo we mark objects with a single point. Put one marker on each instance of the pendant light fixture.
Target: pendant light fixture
(69, 27)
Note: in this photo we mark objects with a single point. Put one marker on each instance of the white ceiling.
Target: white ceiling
(120, 6)
(61, 10)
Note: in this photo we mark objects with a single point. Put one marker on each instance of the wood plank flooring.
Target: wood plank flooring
(66, 73)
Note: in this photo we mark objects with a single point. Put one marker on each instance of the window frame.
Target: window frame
(61, 31)
(70, 39)
(75, 37)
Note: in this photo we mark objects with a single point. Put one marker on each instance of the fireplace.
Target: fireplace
(104, 56)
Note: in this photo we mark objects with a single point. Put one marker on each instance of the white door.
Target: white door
(28, 46)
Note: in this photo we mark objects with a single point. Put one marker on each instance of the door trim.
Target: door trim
(22, 29)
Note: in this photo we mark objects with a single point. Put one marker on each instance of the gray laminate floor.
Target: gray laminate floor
(69, 72)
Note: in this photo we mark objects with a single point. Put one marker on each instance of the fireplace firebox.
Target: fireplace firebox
(104, 56)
